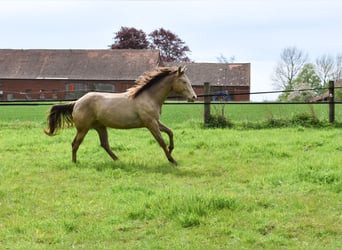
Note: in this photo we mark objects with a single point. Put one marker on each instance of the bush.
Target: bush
(218, 121)
(277, 123)
(307, 120)
(303, 119)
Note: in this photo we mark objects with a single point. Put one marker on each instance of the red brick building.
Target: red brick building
(229, 81)
(68, 74)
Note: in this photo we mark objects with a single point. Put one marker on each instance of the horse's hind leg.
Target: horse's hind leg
(77, 141)
(103, 134)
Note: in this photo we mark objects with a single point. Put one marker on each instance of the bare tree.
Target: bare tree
(325, 67)
(291, 62)
(223, 59)
(337, 75)
(329, 68)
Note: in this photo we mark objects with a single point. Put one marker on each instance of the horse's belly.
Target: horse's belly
(120, 118)
(122, 123)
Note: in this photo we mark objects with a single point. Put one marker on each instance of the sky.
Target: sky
(251, 31)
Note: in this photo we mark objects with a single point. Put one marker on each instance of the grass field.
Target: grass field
(234, 188)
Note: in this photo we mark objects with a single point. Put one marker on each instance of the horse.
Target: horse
(140, 106)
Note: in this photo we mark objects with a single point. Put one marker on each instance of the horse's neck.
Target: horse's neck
(160, 91)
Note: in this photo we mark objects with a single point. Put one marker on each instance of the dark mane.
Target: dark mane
(148, 79)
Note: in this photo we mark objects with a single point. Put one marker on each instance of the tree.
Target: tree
(308, 75)
(337, 75)
(172, 48)
(302, 92)
(223, 59)
(325, 67)
(293, 73)
(330, 68)
(306, 85)
(291, 62)
(130, 38)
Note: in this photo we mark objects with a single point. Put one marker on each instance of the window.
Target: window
(104, 87)
(75, 90)
(55, 94)
(28, 94)
(42, 94)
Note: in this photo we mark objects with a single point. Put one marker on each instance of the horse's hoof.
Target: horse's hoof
(173, 162)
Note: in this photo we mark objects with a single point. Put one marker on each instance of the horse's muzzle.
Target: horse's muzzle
(192, 99)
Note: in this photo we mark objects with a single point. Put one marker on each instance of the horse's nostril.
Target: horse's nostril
(192, 99)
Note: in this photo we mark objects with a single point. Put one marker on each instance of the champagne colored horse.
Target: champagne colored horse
(139, 107)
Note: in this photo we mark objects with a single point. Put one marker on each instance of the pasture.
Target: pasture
(233, 189)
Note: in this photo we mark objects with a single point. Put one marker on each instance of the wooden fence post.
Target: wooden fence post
(207, 100)
(331, 102)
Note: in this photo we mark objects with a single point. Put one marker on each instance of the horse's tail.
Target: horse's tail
(60, 116)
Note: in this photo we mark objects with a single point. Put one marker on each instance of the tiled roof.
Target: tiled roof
(222, 74)
(77, 64)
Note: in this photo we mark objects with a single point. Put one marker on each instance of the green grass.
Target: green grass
(234, 188)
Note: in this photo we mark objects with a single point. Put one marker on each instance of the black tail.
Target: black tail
(60, 116)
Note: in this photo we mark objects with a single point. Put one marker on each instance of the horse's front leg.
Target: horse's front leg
(168, 131)
(154, 127)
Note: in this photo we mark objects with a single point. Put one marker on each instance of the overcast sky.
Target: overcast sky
(253, 31)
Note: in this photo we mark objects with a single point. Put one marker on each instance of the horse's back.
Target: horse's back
(108, 109)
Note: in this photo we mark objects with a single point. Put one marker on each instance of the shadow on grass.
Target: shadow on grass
(135, 166)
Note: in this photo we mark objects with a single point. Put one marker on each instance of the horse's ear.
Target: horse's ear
(181, 70)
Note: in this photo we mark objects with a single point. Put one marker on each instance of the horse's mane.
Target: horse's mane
(148, 79)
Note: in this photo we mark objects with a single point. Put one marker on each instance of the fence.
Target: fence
(237, 110)
(331, 100)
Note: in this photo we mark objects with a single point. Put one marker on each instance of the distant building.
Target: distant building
(325, 96)
(229, 81)
(69, 74)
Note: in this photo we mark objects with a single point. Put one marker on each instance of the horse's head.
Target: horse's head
(182, 85)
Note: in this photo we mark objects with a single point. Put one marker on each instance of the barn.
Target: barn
(69, 74)
(228, 81)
